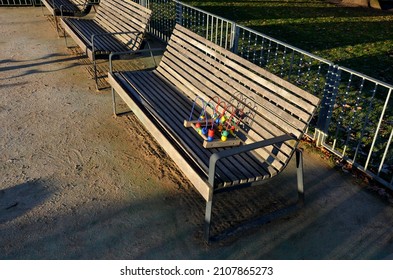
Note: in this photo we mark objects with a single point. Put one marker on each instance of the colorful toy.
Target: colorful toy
(216, 129)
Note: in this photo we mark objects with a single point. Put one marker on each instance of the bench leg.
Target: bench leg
(65, 40)
(114, 101)
(208, 215)
(95, 71)
(299, 171)
(114, 105)
(57, 26)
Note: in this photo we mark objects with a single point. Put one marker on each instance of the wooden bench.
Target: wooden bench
(73, 8)
(68, 8)
(277, 114)
(118, 25)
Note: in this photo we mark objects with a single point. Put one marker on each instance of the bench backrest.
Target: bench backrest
(80, 3)
(274, 106)
(124, 16)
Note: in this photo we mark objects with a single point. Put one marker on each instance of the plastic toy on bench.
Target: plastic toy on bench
(216, 130)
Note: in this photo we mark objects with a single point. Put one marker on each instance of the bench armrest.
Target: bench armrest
(214, 158)
(85, 5)
(150, 50)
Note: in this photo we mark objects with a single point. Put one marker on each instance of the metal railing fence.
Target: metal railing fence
(355, 119)
(359, 124)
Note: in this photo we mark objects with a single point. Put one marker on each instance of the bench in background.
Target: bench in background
(69, 8)
(118, 25)
(277, 114)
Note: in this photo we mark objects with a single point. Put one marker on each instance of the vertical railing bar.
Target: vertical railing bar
(316, 83)
(308, 72)
(248, 46)
(344, 103)
(215, 37)
(254, 53)
(226, 34)
(365, 125)
(199, 23)
(378, 127)
(268, 52)
(222, 22)
(284, 56)
(386, 150)
(291, 64)
(212, 28)
(276, 55)
(299, 71)
(262, 51)
(353, 116)
(242, 48)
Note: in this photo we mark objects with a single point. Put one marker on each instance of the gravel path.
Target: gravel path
(77, 183)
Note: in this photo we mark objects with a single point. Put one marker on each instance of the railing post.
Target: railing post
(235, 30)
(179, 12)
(328, 100)
(143, 3)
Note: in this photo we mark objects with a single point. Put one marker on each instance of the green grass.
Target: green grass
(357, 38)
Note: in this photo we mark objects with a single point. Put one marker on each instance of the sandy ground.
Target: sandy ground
(78, 183)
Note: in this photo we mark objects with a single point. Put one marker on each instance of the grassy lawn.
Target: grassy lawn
(357, 38)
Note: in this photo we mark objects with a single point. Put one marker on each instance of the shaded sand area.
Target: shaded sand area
(77, 183)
